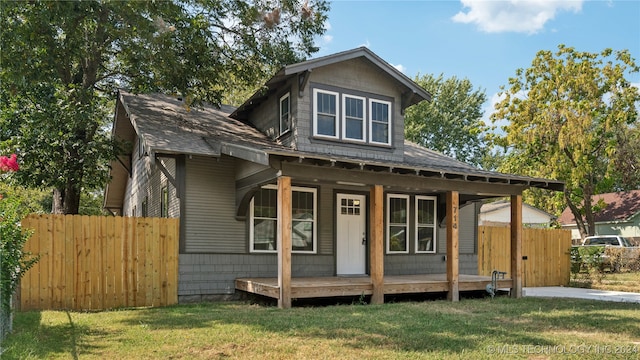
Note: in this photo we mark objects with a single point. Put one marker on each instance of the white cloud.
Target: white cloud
(399, 67)
(366, 44)
(525, 16)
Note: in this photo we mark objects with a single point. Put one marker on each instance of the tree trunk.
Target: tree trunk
(576, 214)
(66, 201)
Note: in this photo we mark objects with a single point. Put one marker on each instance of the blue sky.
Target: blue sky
(484, 41)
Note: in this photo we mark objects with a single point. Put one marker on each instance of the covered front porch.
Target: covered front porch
(320, 287)
(376, 283)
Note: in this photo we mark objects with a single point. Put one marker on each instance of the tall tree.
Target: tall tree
(452, 122)
(62, 63)
(571, 116)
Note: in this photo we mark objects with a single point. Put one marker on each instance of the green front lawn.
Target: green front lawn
(471, 328)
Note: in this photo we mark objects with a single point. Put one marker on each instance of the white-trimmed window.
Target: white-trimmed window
(325, 113)
(285, 113)
(426, 224)
(397, 223)
(164, 202)
(264, 220)
(353, 117)
(380, 122)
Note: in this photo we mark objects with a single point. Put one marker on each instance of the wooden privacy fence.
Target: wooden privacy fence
(545, 253)
(100, 262)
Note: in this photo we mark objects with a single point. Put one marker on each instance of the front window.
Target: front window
(285, 114)
(425, 224)
(264, 220)
(353, 119)
(325, 113)
(397, 223)
(380, 121)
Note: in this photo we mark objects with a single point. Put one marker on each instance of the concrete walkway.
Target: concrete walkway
(577, 293)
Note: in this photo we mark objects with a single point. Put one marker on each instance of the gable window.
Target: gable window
(425, 224)
(397, 223)
(325, 113)
(145, 207)
(264, 220)
(353, 123)
(285, 113)
(164, 202)
(380, 121)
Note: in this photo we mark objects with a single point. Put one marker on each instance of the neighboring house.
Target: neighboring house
(324, 138)
(498, 213)
(621, 216)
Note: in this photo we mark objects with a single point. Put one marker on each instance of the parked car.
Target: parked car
(607, 240)
(618, 250)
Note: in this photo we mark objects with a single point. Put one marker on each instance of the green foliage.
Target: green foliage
(451, 122)
(588, 260)
(63, 61)
(14, 262)
(573, 116)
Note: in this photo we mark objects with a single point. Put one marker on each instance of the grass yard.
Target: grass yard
(626, 281)
(480, 328)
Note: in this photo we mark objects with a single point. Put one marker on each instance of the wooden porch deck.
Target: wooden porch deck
(316, 287)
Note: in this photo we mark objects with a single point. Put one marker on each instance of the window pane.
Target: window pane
(354, 108)
(380, 132)
(425, 212)
(326, 125)
(302, 235)
(397, 238)
(302, 205)
(326, 103)
(354, 129)
(398, 210)
(379, 112)
(264, 234)
(425, 239)
(265, 203)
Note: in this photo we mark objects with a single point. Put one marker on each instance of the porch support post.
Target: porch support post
(516, 246)
(453, 271)
(376, 244)
(284, 241)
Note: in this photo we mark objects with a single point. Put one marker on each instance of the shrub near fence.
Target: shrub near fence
(100, 262)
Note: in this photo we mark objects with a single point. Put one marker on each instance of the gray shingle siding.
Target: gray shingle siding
(210, 223)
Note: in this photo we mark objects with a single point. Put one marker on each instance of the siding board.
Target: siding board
(210, 224)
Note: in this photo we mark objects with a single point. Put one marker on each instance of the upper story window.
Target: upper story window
(325, 113)
(380, 117)
(351, 117)
(285, 113)
(353, 122)
(264, 220)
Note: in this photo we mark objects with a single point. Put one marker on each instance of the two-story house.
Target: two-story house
(309, 188)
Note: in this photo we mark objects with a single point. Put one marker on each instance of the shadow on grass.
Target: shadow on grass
(33, 339)
(409, 326)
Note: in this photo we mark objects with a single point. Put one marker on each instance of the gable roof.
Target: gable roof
(413, 92)
(167, 126)
(621, 206)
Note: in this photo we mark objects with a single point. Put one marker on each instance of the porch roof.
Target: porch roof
(168, 127)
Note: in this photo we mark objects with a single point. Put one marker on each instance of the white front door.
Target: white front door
(351, 232)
